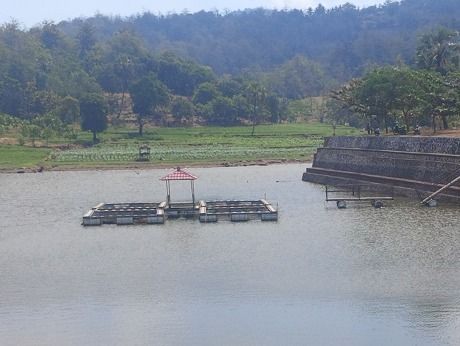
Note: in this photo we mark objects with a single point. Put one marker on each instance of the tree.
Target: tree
(182, 109)
(228, 86)
(180, 76)
(439, 50)
(86, 39)
(31, 131)
(373, 97)
(124, 69)
(50, 35)
(222, 111)
(68, 110)
(409, 95)
(298, 78)
(147, 94)
(205, 93)
(256, 95)
(48, 125)
(440, 99)
(93, 113)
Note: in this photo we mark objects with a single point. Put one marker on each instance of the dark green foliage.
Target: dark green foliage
(222, 111)
(182, 77)
(256, 96)
(86, 39)
(290, 56)
(205, 93)
(148, 94)
(68, 110)
(388, 96)
(93, 113)
(439, 50)
(277, 108)
(182, 110)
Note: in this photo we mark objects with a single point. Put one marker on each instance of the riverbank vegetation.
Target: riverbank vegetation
(198, 90)
(403, 97)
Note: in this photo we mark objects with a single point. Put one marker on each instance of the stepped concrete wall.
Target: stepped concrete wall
(413, 144)
(425, 163)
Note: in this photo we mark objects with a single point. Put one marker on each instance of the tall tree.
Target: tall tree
(93, 113)
(256, 95)
(86, 39)
(147, 94)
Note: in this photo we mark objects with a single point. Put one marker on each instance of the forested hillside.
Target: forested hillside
(344, 40)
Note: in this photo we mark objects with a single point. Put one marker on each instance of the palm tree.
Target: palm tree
(439, 50)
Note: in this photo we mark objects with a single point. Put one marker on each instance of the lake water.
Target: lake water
(318, 276)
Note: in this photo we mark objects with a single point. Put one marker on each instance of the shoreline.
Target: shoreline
(41, 169)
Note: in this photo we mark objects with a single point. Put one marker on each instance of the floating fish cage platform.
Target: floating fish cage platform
(237, 211)
(158, 213)
(125, 214)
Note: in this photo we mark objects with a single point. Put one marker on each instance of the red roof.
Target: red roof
(179, 174)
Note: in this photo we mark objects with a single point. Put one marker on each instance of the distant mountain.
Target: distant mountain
(345, 40)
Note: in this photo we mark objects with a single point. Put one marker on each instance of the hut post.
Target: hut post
(168, 193)
(192, 186)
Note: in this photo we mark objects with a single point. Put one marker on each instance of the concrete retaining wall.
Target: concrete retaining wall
(424, 167)
(413, 144)
(428, 160)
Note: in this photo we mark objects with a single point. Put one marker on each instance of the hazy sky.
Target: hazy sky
(31, 12)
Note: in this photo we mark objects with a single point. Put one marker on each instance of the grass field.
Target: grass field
(207, 145)
(14, 156)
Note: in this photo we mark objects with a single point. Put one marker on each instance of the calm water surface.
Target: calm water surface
(319, 276)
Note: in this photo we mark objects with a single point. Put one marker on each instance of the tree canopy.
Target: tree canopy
(93, 112)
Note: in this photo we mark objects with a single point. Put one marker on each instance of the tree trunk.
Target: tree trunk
(122, 102)
(141, 128)
(406, 121)
(445, 124)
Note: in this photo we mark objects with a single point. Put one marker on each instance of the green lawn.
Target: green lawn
(14, 156)
(119, 146)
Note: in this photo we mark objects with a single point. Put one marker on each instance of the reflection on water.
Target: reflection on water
(320, 275)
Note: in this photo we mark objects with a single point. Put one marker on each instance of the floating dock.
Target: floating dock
(158, 213)
(237, 211)
(125, 214)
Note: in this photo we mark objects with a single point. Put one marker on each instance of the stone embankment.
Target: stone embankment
(414, 166)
